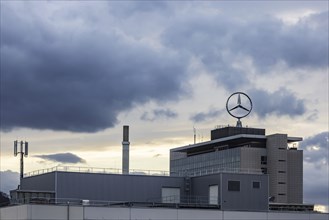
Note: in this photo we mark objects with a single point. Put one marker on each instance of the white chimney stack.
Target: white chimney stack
(125, 150)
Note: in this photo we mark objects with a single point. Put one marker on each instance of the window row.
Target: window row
(233, 185)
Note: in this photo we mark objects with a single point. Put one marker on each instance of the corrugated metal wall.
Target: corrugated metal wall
(43, 182)
(132, 188)
(143, 188)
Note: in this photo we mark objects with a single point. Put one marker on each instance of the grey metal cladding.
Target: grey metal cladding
(200, 184)
(248, 198)
(112, 187)
(43, 182)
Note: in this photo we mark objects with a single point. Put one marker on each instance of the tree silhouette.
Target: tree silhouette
(4, 199)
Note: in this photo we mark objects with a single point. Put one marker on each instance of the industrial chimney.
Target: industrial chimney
(125, 150)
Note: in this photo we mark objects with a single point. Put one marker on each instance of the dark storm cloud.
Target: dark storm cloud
(316, 148)
(315, 152)
(221, 43)
(77, 79)
(62, 158)
(281, 102)
(77, 70)
(205, 116)
(130, 8)
(158, 113)
(270, 41)
(208, 41)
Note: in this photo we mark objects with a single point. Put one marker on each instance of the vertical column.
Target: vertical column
(276, 146)
(125, 150)
(21, 161)
(295, 176)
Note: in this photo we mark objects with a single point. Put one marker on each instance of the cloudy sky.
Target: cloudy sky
(73, 73)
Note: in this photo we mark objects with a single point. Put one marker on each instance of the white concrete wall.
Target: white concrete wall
(198, 214)
(15, 212)
(244, 215)
(106, 213)
(52, 212)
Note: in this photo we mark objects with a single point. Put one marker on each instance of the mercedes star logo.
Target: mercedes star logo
(239, 105)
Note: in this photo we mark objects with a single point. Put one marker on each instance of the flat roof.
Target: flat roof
(294, 139)
(238, 139)
(235, 140)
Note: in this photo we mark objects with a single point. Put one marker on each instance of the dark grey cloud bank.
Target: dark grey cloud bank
(77, 81)
(62, 158)
(316, 152)
(316, 148)
(221, 41)
(280, 102)
(80, 77)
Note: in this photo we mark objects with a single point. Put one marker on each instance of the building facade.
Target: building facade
(248, 150)
(226, 191)
(238, 169)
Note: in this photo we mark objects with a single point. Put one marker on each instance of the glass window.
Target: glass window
(263, 160)
(233, 185)
(256, 185)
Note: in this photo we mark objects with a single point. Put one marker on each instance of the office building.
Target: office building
(248, 150)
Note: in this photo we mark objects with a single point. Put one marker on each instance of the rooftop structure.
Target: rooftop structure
(225, 190)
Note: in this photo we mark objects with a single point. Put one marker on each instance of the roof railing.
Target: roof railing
(96, 170)
(169, 201)
(200, 172)
(208, 171)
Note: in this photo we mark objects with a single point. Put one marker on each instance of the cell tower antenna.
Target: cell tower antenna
(23, 151)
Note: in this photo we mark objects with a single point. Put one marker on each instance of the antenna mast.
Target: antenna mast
(24, 151)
